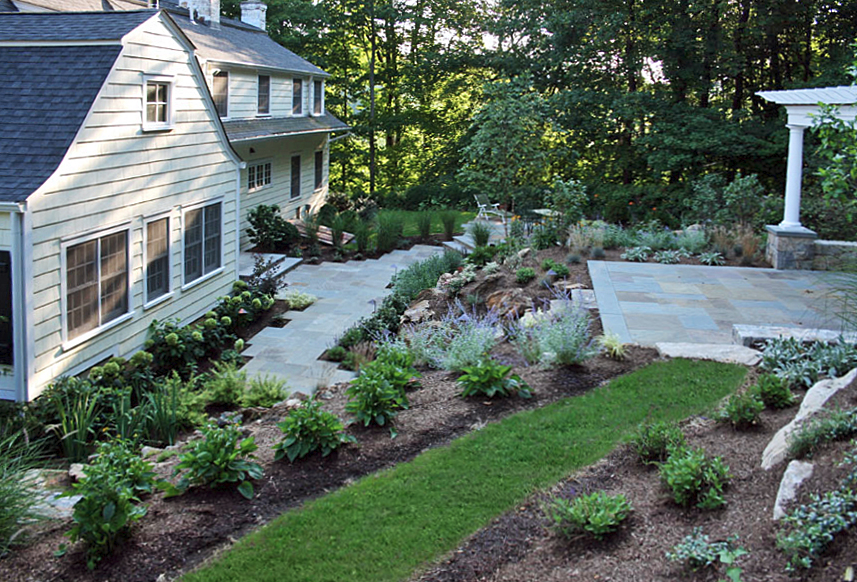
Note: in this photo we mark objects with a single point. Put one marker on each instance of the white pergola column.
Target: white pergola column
(791, 214)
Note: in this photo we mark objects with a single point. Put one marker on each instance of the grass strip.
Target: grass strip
(389, 524)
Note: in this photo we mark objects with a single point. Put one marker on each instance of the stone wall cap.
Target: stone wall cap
(792, 231)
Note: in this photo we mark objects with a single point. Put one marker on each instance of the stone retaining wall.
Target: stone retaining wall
(834, 255)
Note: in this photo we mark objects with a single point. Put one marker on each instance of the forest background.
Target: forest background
(650, 105)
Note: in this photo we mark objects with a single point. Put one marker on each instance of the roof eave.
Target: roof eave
(289, 134)
(247, 65)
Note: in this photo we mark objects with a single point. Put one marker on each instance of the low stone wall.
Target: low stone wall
(834, 255)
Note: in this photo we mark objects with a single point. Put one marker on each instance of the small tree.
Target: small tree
(506, 154)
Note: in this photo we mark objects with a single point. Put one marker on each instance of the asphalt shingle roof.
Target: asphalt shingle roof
(48, 91)
(70, 26)
(245, 129)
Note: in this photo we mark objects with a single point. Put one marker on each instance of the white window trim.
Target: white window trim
(313, 81)
(228, 84)
(190, 284)
(68, 344)
(302, 112)
(171, 103)
(257, 163)
(270, 94)
(166, 296)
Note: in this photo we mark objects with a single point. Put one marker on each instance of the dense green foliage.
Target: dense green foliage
(596, 514)
(491, 378)
(308, 428)
(654, 442)
(694, 479)
(17, 459)
(421, 509)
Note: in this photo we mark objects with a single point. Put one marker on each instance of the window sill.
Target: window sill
(158, 300)
(81, 339)
(157, 128)
(203, 279)
(259, 189)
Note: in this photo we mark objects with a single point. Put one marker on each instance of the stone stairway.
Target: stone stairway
(281, 265)
(464, 243)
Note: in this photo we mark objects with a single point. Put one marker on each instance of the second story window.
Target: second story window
(264, 95)
(318, 98)
(220, 92)
(157, 103)
(258, 176)
(297, 97)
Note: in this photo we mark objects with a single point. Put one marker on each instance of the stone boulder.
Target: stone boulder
(418, 312)
(510, 303)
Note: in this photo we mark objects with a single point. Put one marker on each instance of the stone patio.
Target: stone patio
(647, 303)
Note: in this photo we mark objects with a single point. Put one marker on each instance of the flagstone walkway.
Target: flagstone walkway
(647, 303)
(346, 293)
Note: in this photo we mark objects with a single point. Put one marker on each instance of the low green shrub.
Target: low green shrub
(524, 275)
(697, 551)
(225, 385)
(268, 229)
(596, 514)
(597, 253)
(373, 399)
(743, 409)
(654, 442)
(801, 364)
(221, 456)
(694, 479)
(559, 269)
(264, 391)
(573, 259)
(813, 434)
(336, 353)
(481, 255)
(110, 494)
(774, 392)
(308, 428)
(490, 378)
(712, 259)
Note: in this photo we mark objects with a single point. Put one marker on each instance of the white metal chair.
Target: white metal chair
(487, 208)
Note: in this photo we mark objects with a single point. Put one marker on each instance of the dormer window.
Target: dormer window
(297, 96)
(157, 103)
(264, 95)
(318, 98)
(220, 92)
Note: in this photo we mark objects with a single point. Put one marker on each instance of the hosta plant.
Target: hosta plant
(596, 514)
(372, 398)
(308, 428)
(491, 378)
(222, 456)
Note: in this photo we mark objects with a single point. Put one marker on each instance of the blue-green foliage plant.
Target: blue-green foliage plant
(802, 364)
(639, 254)
(222, 456)
(309, 428)
(698, 551)
(562, 335)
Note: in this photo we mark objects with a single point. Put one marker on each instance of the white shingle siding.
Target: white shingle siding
(5, 231)
(116, 174)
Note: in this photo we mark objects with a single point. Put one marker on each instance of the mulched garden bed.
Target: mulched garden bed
(519, 546)
(179, 533)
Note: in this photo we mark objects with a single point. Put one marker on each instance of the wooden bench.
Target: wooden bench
(325, 235)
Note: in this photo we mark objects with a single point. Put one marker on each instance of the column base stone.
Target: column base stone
(790, 247)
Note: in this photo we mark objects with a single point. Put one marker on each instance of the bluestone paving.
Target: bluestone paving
(647, 303)
(346, 293)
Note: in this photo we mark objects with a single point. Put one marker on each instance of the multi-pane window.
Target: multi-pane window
(319, 169)
(220, 92)
(317, 98)
(157, 102)
(258, 176)
(264, 96)
(296, 177)
(202, 241)
(297, 96)
(157, 258)
(96, 282)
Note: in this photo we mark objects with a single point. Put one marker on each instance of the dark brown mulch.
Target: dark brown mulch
(178, 534)
(519, 546)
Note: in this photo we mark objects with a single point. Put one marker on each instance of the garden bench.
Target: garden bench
(486, 208)
(325, 235)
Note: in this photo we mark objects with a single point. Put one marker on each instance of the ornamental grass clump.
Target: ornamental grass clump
(308, 428)
(597, 514)
(481, 232)
(17, 460)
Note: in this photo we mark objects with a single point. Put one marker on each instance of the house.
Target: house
(270, 100)
(118, 190)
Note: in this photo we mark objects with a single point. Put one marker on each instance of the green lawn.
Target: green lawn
(389, 524)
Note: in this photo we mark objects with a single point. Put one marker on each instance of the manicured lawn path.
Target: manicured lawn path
(389, 524)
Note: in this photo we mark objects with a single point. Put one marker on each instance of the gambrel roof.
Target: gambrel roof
(41, 110)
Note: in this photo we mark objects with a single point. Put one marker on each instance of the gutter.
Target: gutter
(279, 135)
(268, 68)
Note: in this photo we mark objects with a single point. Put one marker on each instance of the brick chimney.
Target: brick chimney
(254, 12)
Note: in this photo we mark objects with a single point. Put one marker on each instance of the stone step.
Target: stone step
(282, 264)
(747, 335)
(454, 245)
(726, 353)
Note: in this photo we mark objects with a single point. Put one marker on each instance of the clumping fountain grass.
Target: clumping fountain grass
(389, 524)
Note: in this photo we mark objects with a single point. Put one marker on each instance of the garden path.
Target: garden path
(647, 303)
(346, 292)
